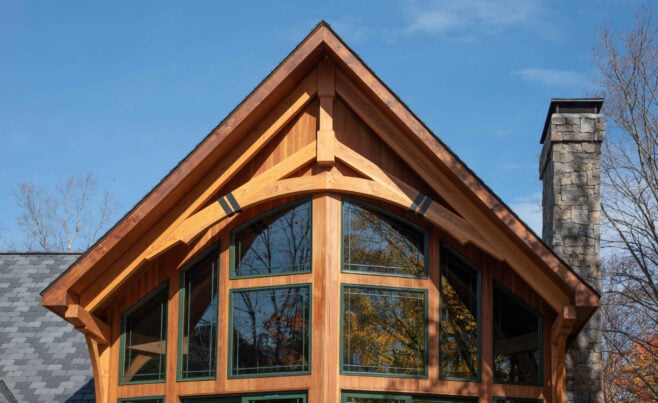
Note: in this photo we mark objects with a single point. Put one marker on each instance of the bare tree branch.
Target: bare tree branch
(69, 219)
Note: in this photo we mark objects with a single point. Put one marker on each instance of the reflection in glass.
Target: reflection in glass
(143, 400)
(286, 398)
(352, 399)
(145, 343)
(383, 331)
(374, 242)
(199, 326)
(459, 336)
(277, 243)
(271, 330)
(516, 340)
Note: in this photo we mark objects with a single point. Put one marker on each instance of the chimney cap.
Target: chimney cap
(570, 105)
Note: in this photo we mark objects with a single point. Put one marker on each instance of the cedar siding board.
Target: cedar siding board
(320, 126)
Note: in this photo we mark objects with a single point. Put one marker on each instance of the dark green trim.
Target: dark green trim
(540, 334)
(394, 216)
(122, 343)
(444, 248)
(181, 311)
(244, 398)
(233, 276)
(154, 399)
(345, 395)
(425, 326)
(409, 398)
(308, 286)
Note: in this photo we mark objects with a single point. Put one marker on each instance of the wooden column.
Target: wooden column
(326, 299)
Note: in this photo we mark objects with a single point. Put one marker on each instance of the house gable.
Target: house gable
(321, 123)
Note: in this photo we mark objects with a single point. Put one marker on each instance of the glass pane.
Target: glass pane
(515, 400)
(211, 399)
(459, 336)
(271, 330)
(145, 343)
(516, 340)
(278, 400)
(374, 242)
(445, 400)
(383, 331)
(275, 244)
(351, 399)
(143, 400)
(199, 325)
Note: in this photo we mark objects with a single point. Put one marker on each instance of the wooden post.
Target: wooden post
(326, 92)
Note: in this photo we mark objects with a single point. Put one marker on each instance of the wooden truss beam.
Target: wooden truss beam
(88, 323)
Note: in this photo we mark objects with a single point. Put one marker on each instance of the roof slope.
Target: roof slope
(42, 358)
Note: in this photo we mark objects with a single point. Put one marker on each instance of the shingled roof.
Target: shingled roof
(42, 358)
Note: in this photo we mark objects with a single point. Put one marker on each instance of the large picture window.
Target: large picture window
(271, 331)
(376, 242)
(384, 331)
(197, 351)
(269, 398)
(144, 343)
(517, 341)
(275, 243)
(394, 398)
(459, 319)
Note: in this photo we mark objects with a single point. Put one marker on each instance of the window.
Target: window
(375, 242)
(275, 243)
(271, 330)
(515, 400)
(516, 333)
(143, 339)
(374, 398)
(269, 398)
(384, 331)
(459, 319)
(143, 400)
(197, 355)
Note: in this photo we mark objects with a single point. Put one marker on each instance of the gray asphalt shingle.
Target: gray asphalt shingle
(42, 357)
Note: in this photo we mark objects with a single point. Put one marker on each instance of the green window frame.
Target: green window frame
(460, 318)
(277, 340)
(378, 242)
(261, 398)
(278, 242)
(350, 397)
(503, 340)
(150, 399)
(369, 310)
(131, 338)
(198, 316)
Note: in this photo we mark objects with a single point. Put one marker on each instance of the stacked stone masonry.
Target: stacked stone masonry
(570, 170)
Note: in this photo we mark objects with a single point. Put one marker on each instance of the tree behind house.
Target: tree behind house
(628, 64)
(69, 219)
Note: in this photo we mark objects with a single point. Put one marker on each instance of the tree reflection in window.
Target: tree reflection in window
(276, 243)
(271, 330)
(375, 242)
(199, 319)
(270, 398)
(516, 333)
(384, 331)
(144, 339)
(459, 319)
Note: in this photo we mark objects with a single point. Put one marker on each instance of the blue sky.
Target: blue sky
(125, 89)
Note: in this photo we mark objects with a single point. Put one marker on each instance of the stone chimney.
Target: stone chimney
(570, 170)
